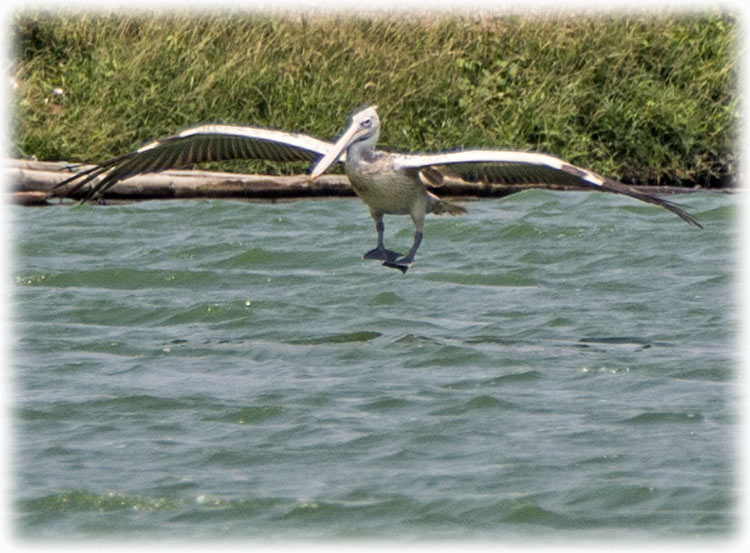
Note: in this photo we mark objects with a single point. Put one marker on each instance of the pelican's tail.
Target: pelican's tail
(441, 207)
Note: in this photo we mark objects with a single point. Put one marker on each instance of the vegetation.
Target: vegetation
(643, 98)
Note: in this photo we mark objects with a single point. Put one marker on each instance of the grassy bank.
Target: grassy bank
(647, 99)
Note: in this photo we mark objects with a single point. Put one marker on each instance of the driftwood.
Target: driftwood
(31, 176)
(32, 183)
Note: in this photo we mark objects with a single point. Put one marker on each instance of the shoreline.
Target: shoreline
(31, 183)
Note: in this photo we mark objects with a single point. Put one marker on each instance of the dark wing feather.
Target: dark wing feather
(509, 173)
(511, 167)
(619, 188)
(198, 145)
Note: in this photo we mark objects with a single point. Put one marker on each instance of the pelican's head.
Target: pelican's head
(364, 127)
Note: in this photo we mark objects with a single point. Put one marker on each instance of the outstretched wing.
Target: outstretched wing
(197, 145)
(512, 167)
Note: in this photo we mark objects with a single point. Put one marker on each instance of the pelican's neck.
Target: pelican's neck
(362, 150)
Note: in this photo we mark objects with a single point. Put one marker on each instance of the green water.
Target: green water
(555, 366)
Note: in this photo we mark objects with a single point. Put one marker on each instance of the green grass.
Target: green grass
(646, 99)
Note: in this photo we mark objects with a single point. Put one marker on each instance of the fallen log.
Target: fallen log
(28, 176)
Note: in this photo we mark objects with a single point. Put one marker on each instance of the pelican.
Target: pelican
(389, 183)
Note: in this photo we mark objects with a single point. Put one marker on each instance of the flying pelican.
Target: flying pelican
(389, 183)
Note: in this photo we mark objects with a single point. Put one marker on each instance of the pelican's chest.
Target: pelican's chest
(380, 186)
(365, 176)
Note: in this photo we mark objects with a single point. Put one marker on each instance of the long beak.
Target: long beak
(350, 136)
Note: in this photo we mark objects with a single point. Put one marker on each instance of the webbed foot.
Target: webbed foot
(382, 254)
(402, 263)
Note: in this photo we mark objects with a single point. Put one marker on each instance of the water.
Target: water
(556, 366)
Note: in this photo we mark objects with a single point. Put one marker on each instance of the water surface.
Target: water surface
(554, 366)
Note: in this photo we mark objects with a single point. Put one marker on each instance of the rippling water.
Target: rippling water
(554, 366)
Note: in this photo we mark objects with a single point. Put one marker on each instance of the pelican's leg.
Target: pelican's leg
(403, 263)
(380, 253)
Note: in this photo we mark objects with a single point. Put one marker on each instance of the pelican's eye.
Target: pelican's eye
(367, 122)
